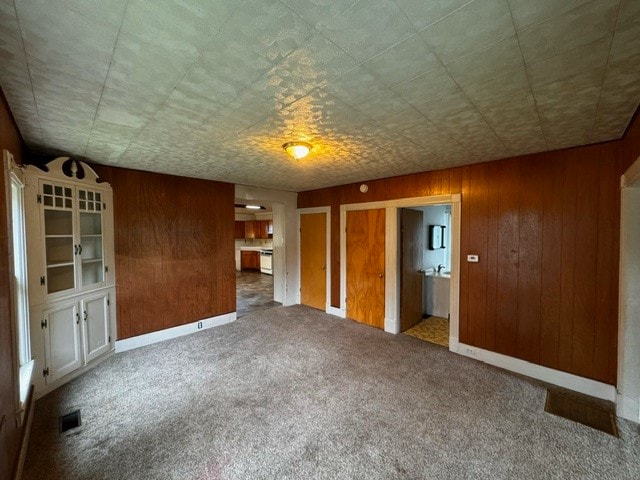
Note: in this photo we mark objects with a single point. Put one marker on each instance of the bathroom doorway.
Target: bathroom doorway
(425, 258)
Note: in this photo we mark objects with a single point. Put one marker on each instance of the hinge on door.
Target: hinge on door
(108, 302)
(39, 198)
(42, 280)
(43, 323)
(106, 269)
(104, 206)
(109, 338)
(45, 372)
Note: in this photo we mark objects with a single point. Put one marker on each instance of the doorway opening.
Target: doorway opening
(425, 243)
(254, 257)
(628, 401)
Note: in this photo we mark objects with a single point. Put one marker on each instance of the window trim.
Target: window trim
(14, 184)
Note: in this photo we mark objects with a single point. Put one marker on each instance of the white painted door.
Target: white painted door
(95, 316)
(63, 352)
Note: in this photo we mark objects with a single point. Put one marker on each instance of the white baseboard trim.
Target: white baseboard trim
(168, 333)
(546, 374)
(628, 408)
(391, 325)
(338, 312)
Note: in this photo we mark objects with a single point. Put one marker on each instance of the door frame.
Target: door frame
(628, 384)
(392, 257)
(327, 273)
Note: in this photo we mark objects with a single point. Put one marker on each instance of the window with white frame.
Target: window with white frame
(19, 287)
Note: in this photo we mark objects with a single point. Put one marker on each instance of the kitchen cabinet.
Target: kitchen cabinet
(254, 229)
(265, 229)
(250, 260)
(239, 229)
(249, 230)
(263, 226)
(71, 275)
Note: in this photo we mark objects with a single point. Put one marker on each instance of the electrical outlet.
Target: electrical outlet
(470, 351)
(199, 325)
(473, 258)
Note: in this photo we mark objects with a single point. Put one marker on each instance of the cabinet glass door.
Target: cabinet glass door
(91, 251)
(58, 232)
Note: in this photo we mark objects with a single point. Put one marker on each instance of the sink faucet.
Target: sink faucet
(440, 268)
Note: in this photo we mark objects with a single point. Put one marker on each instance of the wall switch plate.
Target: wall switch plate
(472, 258)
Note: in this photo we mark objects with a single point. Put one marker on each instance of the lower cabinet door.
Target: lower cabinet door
(95, 316)
(63, 352)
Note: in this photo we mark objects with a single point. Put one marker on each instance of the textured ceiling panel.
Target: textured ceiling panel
(378, 87)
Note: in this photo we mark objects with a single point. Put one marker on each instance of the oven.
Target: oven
(266, 264)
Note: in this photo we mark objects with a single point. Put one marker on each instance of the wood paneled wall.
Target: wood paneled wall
(10, 140)
(174, 245)
(546, 228)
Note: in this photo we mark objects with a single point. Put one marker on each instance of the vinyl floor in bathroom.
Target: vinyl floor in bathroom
(432, 329)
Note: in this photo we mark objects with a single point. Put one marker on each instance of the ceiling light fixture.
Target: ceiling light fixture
(297, 150)
(253, 207)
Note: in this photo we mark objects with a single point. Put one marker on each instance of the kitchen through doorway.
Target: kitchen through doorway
(254, 257)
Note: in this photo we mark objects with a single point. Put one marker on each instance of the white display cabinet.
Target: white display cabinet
(70, 256)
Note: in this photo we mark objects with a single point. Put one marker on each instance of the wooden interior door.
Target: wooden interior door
(313, 260)
(412, 242)
(365, 266)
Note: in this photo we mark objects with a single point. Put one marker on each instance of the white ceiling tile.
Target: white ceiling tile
(580, 26)
(468, 128)
(403, 61)
(626, 44)
(435, 94)
(427, 135)
(527, 12)
(621, 86)
(317, 60)
(352, 30)
(401, 120)
(423, 13)
(587, 58)
(629, 14)
(209, 84)
(433, 83)
(514, 120)
(484, 64)
(469, 28)
(78, 44)
(307, 68)
(502, 85)
(266, 28)
(188, 24)
(318, 12)
(119, 112)
(383, 104)
(230, 63)
(567, 108)
(222, 85)
(355, 86)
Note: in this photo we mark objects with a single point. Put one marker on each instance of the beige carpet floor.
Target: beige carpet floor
(294, 393)
(432, 329)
